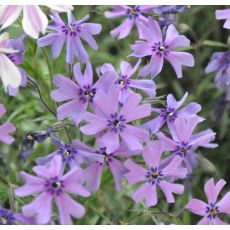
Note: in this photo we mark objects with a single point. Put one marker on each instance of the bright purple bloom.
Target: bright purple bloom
(135, 15)
(51, 185)
(7, 217)
(34, 20)
(17, 59)
(155, 175)
(71, 33)
(77, 95)
(224, 14)
(171, 112)
(154, 46)
(220, 63)
(212, 209)
(111, 122)
(6, 128)
(72, 154)
(184, 143)
(124, 81)
(93, 172)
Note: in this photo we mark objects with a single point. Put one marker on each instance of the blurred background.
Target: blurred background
(107, 206)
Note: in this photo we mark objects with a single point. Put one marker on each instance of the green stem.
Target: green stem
(32, 82)
(11, 199)
(4, 181)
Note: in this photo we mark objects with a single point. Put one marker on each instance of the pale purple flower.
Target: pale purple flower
(213, 208)
(17, 59)
(51, 184)
(77, 95)
(135, 15)
(93, 172)
(71, 33)
(184, 143)
(9, 72)
(171, 111)
(224, 14)
(6, 128)
(154, 175)
(124, 80)
(72, 154)
(112, 122)
(220, 63)
(34, 21)
(153, 45)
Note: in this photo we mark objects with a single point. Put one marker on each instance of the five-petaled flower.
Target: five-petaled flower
(212, 209)
(135, 15)
(111, 122)
(53, 185)
(154, 46)
(71, 33)
(156, 175)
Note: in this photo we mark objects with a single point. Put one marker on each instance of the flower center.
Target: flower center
(67, 152)
(116, 123)
(54, 186)
(71, 29)
(87, 94)
(168, 114)
(6, 217)
(212, 210)
(133, 11)
(123, 81)
(154, 175)
(160, 49)
(182, 149)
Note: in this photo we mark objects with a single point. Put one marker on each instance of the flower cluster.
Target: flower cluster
(110, 110)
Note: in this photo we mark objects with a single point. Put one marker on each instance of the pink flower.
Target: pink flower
(34, 20)
(212, 209)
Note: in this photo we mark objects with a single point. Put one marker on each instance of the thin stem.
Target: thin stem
(32, 82)
(11, 199)
(4, 181)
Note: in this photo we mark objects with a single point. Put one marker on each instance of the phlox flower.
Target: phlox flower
(213, 208)
(171, 111)
(184, 143)
(6, 128)
(112, 121)
(71, 33)
(154, 176)
(152, 44)
(124, 79)
(51, 185)
(9, 73)
(134, 16)
(220, 63)
(72, 154)
(34, 21)
(224, 14)
(77, 94)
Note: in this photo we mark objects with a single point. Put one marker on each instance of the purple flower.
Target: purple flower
(52, 185)
(9, 218)
(154, 46)
(224, 14)
(220, 63)
(77, 95)
(111, 121)
(71, 33)
(124, 81)
(17, 59)
(6, 128)
(34, 20)
(93, 172)
(135, 15)
(72, 154)
(171, 112)
(212, 209)
(184, 143)
(9, 73)
(155, 175)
